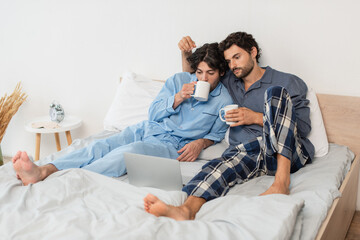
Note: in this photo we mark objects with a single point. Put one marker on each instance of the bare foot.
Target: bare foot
(25, 169)
(158, 208)
(277, 188)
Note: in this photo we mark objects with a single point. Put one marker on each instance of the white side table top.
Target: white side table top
(69, 123)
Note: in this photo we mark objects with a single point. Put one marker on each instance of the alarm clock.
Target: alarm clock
(56, 112)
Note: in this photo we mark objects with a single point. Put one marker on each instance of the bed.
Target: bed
(77, 204)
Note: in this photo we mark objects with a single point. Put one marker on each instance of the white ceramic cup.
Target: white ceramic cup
(225, 109)
(202, 90)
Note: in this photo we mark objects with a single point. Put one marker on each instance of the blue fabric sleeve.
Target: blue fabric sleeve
(217, 132)
(298, 91)
(161, 107)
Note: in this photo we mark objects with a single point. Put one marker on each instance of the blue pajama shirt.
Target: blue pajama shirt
(252, 152)
(166, 131)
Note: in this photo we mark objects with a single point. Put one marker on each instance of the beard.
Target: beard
(245, 71)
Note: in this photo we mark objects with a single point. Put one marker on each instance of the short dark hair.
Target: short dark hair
(210, 54)
(243, 40)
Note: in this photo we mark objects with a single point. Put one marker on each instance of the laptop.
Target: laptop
(156, 172)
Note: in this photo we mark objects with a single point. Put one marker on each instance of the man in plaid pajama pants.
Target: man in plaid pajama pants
(269, 136)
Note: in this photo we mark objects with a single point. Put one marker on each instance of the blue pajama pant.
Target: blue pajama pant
(105, 156)
(258, 156)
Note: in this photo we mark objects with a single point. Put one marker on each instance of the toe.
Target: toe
(24, 156)
(151, 198)
(16, 157)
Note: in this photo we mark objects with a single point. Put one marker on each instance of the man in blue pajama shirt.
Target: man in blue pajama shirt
(179, 126)
(269, 136)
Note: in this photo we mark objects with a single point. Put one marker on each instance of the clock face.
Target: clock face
(53, 114)
(56, 115)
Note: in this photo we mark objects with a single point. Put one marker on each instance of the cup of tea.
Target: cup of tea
(202, 90)
(224, 110)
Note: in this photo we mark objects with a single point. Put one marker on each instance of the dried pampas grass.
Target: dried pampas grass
(9, 105)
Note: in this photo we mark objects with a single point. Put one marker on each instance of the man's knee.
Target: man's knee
(99, 144)
(275, 91)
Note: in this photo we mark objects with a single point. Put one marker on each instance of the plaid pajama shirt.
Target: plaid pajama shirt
(258, 156)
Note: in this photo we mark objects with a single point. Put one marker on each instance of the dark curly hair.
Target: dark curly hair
(242, 40)
(210, 54)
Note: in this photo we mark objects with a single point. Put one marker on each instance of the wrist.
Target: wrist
(206, 143)
(186, 54)
(178, 97)
(260, 119)
(177, 100)
(185, 64)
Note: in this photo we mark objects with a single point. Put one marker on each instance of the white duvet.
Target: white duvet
(77, 204)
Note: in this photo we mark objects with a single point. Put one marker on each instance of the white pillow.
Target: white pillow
(317, 135)
(133, 97)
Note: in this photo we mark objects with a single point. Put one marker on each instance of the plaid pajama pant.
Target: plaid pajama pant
(258, 156)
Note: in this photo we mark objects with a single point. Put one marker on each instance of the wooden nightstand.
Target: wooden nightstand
(69, 123)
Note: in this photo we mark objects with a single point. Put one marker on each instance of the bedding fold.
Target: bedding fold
(78, 204)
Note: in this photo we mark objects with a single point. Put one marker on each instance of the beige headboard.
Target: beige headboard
(341, 116)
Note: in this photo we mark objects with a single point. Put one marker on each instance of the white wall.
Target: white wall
(74, 51)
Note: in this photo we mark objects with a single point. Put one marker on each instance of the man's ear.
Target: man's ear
(253, 52)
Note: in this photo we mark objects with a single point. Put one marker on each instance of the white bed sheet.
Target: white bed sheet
(77, 204)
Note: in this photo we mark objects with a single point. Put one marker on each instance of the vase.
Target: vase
(1, 157)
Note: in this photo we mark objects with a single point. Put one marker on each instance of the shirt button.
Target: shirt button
(192, 109)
